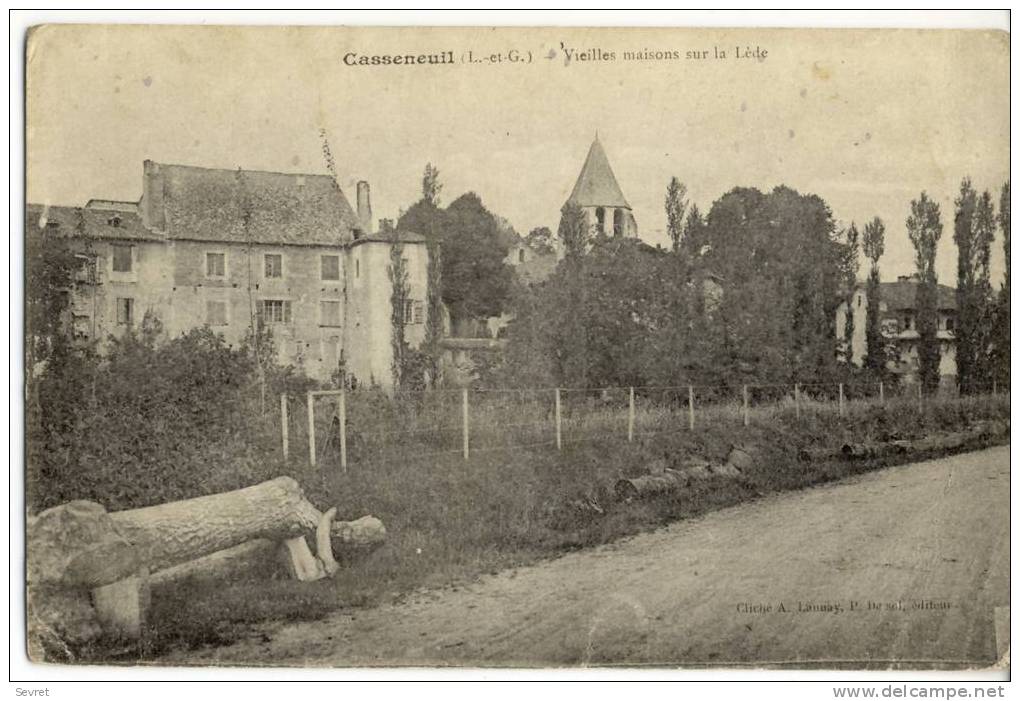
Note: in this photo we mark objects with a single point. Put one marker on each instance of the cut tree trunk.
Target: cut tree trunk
(169, 534)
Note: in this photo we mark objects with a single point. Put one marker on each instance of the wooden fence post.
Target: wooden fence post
(690, 407)
(311, 429)
(881, 392)
(920, 397)
(841, 399)
(747, 417)
(796, 400)
(341, 410)
(283, 426)
(630, 418)
(995, 388)
(559, 427)
(467, 425)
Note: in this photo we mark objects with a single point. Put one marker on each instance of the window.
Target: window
(600, 220)
(520, 256)
(330, 267)
(122, 259)
(114, 221)
(215, 265)
(275, 311)
(125, 311)
(329, 313)
(414, 311)
(86, 269)
(274, 265)
(216, 312)
(950, 324)
(618, 222)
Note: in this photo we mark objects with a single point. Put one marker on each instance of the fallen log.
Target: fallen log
(818, 454)
(176, 532)
(647, 485)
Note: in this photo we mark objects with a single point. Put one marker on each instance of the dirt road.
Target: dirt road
(921, 550)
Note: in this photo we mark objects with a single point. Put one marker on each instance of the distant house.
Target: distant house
(226, 249)
(898, 307)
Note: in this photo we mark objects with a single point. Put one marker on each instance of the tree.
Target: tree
(924, 226)
(966, 309)
(873, 245)
(780, 258)
(694, 237)
(541, 241)
(573, 230)
(465, 241)
(851, 265)
(430, 185)
(983, 300)
(1000, 335)
(476, 279)
(676, 207)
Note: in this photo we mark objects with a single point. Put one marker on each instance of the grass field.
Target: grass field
(451, 519)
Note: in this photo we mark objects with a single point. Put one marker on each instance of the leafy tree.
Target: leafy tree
(851, 265)
(676, 207)
(430, 185)
(474, 278)
(1000, 336)
(873, 245)
(573, 231)
(966, 308)
(693, 239)
(780, 258)
(924, 226)
(540, 239)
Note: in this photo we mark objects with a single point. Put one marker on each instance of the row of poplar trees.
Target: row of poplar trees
(982, 323)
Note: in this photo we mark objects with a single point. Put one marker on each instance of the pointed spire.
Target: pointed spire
(596, 186)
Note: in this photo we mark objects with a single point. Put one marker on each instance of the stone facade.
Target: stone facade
(226, 249)
(899, 327)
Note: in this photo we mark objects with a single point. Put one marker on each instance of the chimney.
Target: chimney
(365, 206)
(151, 205)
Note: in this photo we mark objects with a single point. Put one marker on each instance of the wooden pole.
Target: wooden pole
(467, 425)
(630, 418)
(747, 417)
(311, 429)
(796, 399)
(920, 400)
(690, 407)
(881, 392)
(341, 410)
(283, 426)
(840, 398)
(995, 387)
(559, 426)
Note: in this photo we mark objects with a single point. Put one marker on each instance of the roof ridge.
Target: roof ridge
(243, 170)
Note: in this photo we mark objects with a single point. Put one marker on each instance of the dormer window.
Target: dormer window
(52, 224)
(114, 221)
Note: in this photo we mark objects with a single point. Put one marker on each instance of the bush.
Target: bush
(153, 420)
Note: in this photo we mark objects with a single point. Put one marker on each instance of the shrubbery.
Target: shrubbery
(153, 419)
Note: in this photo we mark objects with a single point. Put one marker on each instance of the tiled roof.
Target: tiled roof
(596, 186)
(209, 204)
(96, 223)
(902, 295)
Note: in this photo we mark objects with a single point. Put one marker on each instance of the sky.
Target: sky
(866, 119)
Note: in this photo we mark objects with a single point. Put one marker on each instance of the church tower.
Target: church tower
(598, 194)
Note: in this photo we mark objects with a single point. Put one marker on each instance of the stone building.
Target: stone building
(899, 327)
(599, 196)
(224, 248)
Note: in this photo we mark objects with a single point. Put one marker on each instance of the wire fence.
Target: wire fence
(337, 429)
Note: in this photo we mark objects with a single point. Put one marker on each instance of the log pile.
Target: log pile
(92, 572)
(665, 480)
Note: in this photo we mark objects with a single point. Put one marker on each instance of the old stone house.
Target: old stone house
(227, 249)
(899, 327)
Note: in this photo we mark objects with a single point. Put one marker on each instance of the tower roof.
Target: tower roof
(596, 186)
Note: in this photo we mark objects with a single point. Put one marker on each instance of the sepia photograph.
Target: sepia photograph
(516, 348)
